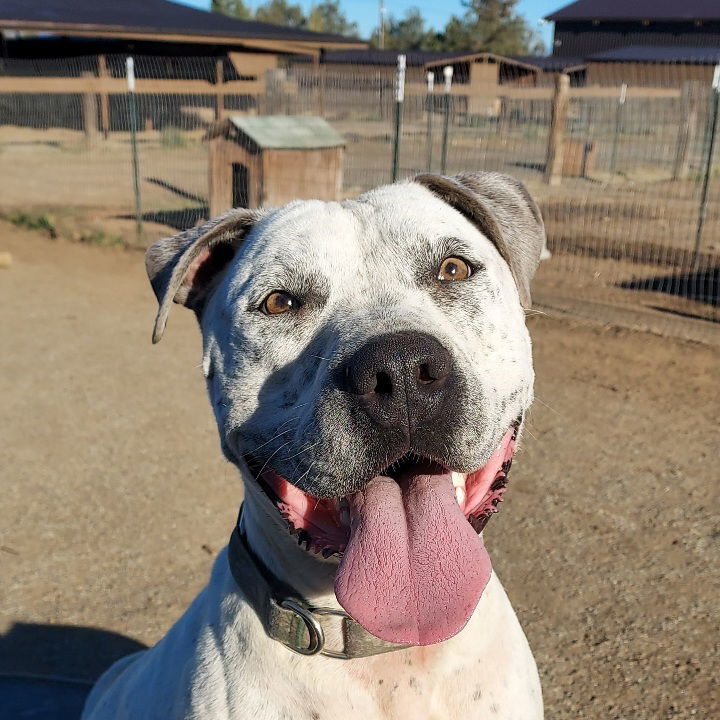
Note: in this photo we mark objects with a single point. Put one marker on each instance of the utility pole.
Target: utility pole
(381, 31)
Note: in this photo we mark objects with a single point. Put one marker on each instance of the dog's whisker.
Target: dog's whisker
(303, 476)
(549, 407)
(300, 452)
(272, 439)
(275, 452)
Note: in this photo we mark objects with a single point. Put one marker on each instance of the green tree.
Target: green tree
(327, 17)
(491, 26)
(408, 33)
(281, 12)
(233, 8)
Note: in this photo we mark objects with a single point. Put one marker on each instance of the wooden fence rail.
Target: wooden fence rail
(96, 88)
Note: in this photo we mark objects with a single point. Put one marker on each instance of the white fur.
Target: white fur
(217, 663)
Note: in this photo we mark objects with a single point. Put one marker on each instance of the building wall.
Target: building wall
(578, 39)
(647, 74)
(304, 174)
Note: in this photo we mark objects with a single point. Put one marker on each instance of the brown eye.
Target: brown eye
(454, 268)
(278, 302)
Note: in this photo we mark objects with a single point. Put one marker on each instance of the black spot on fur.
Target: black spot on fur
(477, 695)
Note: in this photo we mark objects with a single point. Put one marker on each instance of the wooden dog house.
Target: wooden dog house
(271, 160)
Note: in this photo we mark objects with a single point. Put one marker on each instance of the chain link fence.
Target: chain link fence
(625, 170)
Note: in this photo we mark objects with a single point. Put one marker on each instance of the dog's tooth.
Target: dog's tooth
(460, 496)
(344, 512)
(458, 479)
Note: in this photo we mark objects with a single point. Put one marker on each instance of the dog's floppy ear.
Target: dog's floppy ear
(185, 267)
(503, 210)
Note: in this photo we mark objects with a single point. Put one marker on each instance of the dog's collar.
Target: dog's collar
(290, 619)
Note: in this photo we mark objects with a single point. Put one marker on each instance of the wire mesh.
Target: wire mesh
(631, 212)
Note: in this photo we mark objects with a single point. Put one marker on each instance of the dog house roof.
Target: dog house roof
(281, 132)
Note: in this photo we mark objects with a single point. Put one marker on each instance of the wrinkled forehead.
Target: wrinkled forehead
(386, 229)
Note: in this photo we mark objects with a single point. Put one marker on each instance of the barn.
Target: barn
(370, 74)
(653, 66)
(589, 27)
(55, 51)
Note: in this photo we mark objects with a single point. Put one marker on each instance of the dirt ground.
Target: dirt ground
(115, 497)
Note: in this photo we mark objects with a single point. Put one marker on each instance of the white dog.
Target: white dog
(369, 368)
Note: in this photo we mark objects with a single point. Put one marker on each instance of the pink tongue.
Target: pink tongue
(414, 569)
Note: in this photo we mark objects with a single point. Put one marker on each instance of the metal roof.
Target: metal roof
(413, 58)
(551, 63)
(661, 54)
(154, 17)
(484, 56)
(665, 10)
(284, 132)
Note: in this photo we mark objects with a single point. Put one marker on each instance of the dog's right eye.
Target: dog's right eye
(279, 302)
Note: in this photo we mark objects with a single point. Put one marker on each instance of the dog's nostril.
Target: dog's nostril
(425, 376)
(383, 385)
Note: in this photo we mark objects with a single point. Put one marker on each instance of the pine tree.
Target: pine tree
(491, 26)
(233, 8)
(281, 12)
(327, 17)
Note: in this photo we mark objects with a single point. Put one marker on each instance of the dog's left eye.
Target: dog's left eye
(454, 268)
(279, 302)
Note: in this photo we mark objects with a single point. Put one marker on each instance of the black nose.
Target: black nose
(399, 380)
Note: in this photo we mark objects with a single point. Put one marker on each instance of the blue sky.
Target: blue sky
(365, 12)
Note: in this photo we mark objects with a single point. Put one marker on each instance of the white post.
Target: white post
(399, 99)
(430, 109)
(132, 107)
(447, 75)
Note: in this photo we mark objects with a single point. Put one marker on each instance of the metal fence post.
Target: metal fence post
(447, 74)
(132, 103)
(399, 100)
(712, 136)
(687, 130)
(618, 126)
(556, 137)
(430, 112)
(89, 110)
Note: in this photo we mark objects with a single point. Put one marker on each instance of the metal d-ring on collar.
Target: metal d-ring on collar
(286, 616)
(315, 629)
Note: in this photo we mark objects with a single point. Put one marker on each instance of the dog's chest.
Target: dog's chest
(466, 677)
(419, 684)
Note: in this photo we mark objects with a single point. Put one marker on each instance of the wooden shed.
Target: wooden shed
(273, 159)
(478, 77)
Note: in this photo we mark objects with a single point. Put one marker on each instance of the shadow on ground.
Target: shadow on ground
(176, 219)
(176, 190)
(46, 671)
(702, 286)
(70, 651)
